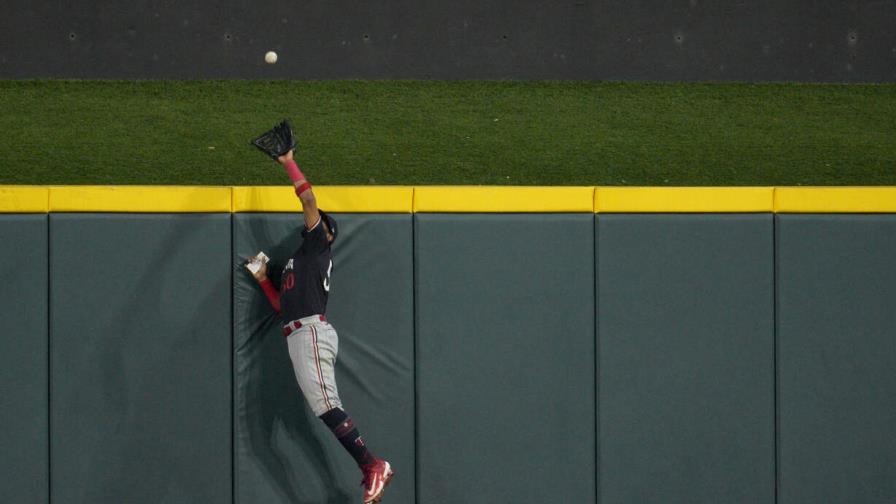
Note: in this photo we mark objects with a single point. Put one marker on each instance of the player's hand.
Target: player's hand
(286, 157)
(262, 272)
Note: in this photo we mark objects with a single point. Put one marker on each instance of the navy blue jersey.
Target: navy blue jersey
(305, 281)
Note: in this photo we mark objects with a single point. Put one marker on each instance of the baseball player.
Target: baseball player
(312, 341)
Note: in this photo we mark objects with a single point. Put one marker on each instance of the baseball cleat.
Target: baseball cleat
(377, 476)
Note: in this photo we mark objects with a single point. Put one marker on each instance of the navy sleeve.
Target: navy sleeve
(275, 270)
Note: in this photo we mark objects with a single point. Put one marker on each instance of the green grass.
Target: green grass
(520, 133)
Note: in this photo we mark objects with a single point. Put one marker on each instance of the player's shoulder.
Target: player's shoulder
(314, 230)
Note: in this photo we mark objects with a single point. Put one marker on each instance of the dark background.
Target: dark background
(763, 40)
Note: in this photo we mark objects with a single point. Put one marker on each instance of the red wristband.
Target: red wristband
(302, 188)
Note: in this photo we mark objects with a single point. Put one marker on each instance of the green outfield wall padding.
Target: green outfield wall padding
(836, 358)
(284, 454)
(686, 342)
(492, 358)
(140, 369)
(505, 358)
(24, 458)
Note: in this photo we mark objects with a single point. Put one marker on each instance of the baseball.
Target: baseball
(270, 57)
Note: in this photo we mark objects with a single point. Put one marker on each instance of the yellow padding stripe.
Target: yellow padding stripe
(24, 199)
(683, 199)
(503, 199)
(835, 199)
(434, 199)
(166, 199)
(338, 199)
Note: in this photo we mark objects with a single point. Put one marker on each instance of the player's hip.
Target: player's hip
(304, 325)
(314, 334)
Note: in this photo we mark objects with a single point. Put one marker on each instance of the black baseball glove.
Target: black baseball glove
(277, 141)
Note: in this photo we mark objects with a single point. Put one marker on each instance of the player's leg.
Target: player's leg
(335, 418)
(313, 350)
(377, 472)
(305, 353)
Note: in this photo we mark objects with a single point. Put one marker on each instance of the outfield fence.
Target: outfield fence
(576, 345)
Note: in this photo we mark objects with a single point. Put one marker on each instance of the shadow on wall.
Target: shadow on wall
(274, 413)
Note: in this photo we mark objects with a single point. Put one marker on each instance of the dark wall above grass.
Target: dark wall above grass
(765, 40)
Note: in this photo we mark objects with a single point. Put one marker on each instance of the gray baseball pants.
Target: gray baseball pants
(312, 349)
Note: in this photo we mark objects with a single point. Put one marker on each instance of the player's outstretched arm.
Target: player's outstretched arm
(261, 276)
(303, 189)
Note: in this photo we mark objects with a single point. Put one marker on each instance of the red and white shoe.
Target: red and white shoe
(377, 476)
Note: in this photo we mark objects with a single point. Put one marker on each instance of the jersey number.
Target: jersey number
(290, 281)
(327, 278)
